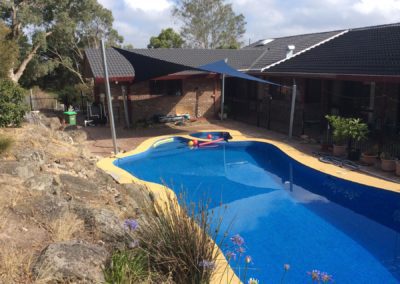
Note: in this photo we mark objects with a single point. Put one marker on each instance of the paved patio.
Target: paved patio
(100, 142)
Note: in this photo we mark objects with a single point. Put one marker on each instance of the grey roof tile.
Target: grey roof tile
(363, 51)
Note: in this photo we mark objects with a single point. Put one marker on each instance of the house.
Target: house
(353, 72)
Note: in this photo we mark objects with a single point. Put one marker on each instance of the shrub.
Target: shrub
(339, 125)
(12, 107)
(5, 144)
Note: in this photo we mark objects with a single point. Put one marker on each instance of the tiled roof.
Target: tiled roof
(117, 65)
(276, 49)
(363, 51)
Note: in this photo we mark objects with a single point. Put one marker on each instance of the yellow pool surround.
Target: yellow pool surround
(122, 176)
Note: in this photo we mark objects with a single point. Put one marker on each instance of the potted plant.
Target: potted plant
(388, 162)
(340, 134)
(356, 131)
(370, 156)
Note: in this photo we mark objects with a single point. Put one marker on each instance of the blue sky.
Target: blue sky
(138, 20)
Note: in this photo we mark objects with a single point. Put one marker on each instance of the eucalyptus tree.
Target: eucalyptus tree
(55, 32)
(209, 23)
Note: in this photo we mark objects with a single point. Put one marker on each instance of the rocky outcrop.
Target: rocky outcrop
(71, 262)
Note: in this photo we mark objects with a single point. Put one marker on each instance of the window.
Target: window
(165, 87)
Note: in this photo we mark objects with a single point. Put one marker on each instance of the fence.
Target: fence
(38, 100)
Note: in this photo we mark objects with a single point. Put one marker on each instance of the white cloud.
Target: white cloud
(149, 6)
(138, 20)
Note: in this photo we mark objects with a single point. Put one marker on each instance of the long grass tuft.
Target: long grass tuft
(5, 144)
(178, 239)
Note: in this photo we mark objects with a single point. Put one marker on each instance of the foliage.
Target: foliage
(386, 156)
(178, 239)
(8, 51)
(12, 108)
(56, 31)
(339, 125)
(167, 38)
(209, 23)
(5, 144)
(356, 130)
(347, 128)
(127, 266)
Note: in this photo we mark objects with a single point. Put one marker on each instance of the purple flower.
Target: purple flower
(131, 224)
(207, 264)
(286, 267)
(237, 240)
(231, 255)
(253, 281)
(241, 250)
(325, 277)
(315, 275)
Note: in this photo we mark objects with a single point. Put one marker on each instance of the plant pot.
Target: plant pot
(354, 155)
(369, 160)
(388, 165)
(339, 150)
(397, 168)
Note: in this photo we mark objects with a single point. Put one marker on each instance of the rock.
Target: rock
(31, 155)
(40, 182)
(63, 136)
(71, 262)
(80, 188)
(51, 122)
(104, 225)
(79, 136)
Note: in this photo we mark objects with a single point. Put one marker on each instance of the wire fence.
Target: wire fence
(42, 101)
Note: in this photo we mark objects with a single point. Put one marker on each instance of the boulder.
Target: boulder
(19, 169)
(40, 182)
(80, 188)
(79, 136)
(71, 262)
(104, 225)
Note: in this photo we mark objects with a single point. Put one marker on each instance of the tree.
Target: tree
(168, 38)
(209, 23)
(8, 51)
(55, 30)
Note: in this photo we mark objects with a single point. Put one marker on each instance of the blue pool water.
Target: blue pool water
(285, 211)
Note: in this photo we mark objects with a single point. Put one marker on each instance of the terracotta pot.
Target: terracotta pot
(370, 160)
(339, 150)
(388, 165)
(398, 168)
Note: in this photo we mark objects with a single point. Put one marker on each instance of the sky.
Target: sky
(138, 20)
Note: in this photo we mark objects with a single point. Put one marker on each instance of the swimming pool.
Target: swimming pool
(287, 212)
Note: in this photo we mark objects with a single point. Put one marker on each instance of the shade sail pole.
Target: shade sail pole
(223, 93)
(292, 108)
(108, 93)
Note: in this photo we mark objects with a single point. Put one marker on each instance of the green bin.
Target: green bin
(70, 117)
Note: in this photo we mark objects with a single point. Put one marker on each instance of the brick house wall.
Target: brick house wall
(200, 97)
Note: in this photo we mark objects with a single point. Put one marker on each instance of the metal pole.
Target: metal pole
(108, 92)
(125, 99)
(31, 99)
(292, 108)
(223, 93)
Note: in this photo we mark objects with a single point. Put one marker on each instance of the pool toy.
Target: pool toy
(211, 142)
(195, 142)
(190, 143)
(209, 136)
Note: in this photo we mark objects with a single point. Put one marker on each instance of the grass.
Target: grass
(5, 144)
(15, 264)
(179, 239)
(174, 241)
(66, 227)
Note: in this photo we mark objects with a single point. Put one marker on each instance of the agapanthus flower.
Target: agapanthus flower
(325, 277)
(131, 224)
(231, 255)
(241, 250)
(253, 281)
(207, 264)
(315, 275)
(286, 267)
(237, 240)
